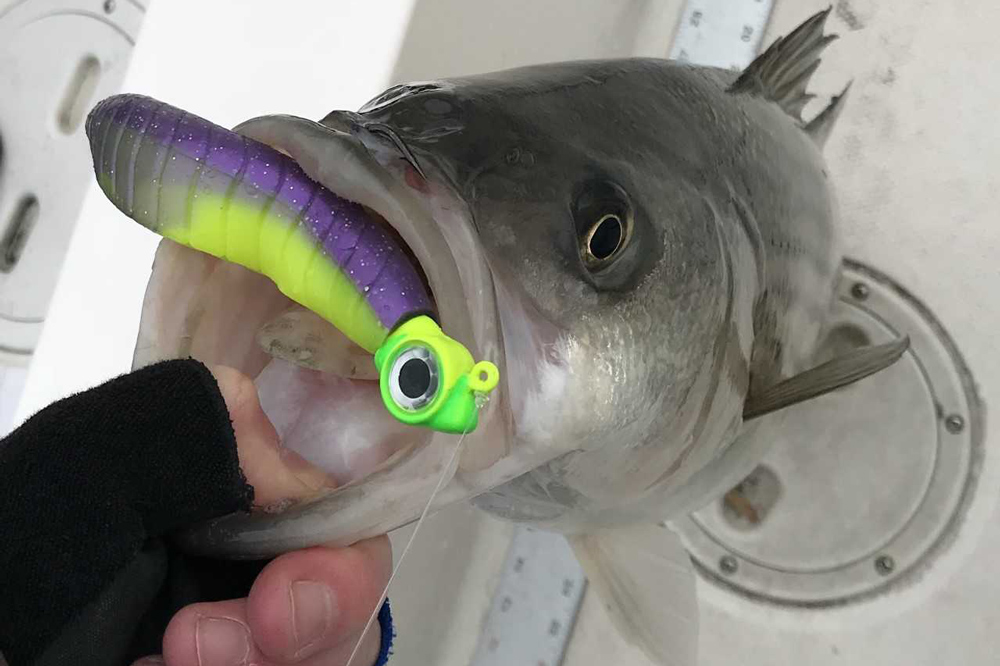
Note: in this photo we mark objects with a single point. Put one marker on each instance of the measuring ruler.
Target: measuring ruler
(541, 585)
(721, 33)
(535, 604)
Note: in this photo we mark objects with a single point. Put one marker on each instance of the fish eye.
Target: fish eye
(413, 380)
(605, 237)
(604, 224)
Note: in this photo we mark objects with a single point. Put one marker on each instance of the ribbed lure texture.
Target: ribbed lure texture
(213, 190)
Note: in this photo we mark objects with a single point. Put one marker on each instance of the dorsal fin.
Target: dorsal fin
(819, 128)
(781, 73)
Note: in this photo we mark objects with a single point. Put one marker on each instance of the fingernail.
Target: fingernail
(312, 612)
(222, 642)
(153, 660)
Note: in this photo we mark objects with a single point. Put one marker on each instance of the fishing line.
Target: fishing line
(480, 401)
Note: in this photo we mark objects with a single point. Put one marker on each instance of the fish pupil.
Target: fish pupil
(414, 378)
(607, 237)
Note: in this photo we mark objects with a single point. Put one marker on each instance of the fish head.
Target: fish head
(561, 217)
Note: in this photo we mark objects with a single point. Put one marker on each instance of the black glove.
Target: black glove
(89, 489)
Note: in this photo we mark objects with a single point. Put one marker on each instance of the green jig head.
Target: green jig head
(431, 380)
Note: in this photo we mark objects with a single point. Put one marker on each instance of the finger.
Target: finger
(220, 634)
(314, 600)
(210, 634)
(275, 473)
(155, 660)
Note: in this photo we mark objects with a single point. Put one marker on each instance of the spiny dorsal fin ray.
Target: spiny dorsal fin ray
(781, 73)
(795, 88)
(819, 128)
(824, 378)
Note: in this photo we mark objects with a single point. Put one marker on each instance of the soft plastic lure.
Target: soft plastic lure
(216, 191)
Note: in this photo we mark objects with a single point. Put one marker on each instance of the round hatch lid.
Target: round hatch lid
(862, 486)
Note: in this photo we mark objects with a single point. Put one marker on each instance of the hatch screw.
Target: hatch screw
(884, 565)
(109, 6)
(954, 423)
(728, 565)
(859, 291)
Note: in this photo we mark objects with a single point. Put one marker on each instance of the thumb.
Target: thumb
(278, 475)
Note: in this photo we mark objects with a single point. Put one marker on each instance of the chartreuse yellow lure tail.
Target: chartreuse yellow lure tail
(213, 190)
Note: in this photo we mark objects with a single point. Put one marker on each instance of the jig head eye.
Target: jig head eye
(414, 378)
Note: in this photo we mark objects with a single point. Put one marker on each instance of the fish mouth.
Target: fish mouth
(204, 307)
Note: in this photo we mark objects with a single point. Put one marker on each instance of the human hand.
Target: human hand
(306, 607)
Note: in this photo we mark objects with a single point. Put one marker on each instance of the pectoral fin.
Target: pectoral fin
(824, 378)
(644, 578)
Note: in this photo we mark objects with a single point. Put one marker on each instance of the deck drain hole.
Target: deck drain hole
(748, 504)
(18, 229)
(79, 92)
(841, 339)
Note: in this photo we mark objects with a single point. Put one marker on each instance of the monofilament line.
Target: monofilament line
(406, 549)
